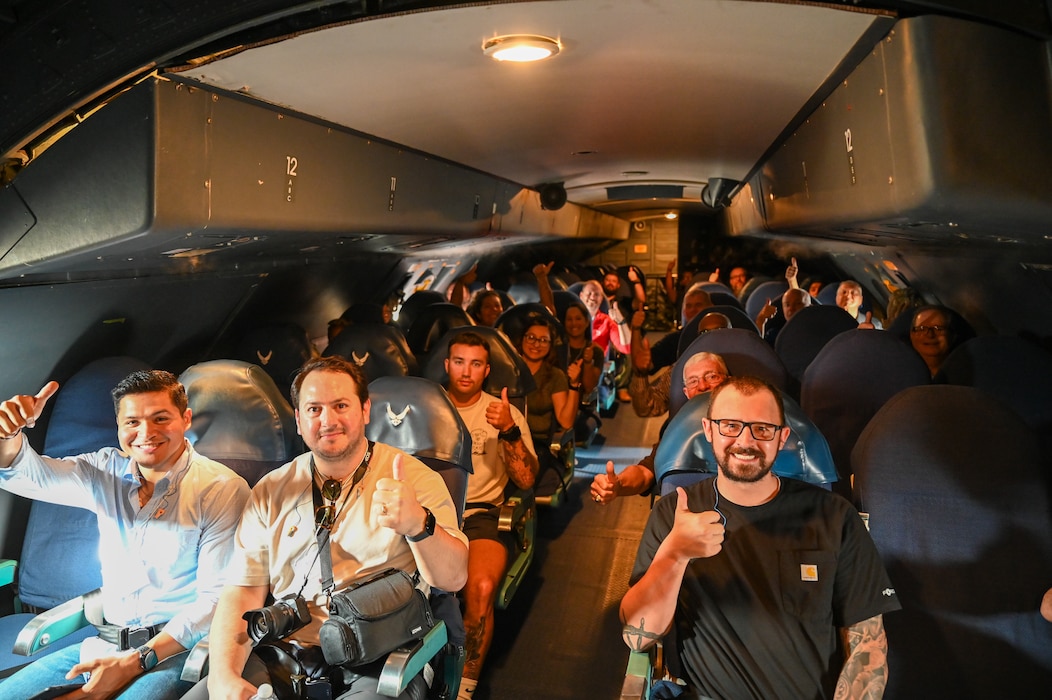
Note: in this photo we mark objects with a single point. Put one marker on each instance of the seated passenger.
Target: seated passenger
(664, 352)
(485, 307)
(383, 506)
(702, 372)
(792, 301)
(932, 335)
(554, 402)
(1046, 605)
(903, 300)
(167, 517)
(608, 330)
(625, 302)
(582, 348)
(849, 298)
(759, 576)
(502, 452)
(737, 279)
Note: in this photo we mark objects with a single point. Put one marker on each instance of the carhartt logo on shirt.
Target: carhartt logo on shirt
(808, 572)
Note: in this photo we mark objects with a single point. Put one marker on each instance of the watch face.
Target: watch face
(147, 658)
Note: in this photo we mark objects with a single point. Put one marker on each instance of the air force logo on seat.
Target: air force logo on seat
(395, 418)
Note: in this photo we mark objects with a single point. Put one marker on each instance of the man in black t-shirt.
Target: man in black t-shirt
(773, 587)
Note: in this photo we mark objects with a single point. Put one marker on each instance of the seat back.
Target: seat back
(412, 306)
(431, 323)
(734, 314)
(60, 558)
(1014, 371)
(685, 455)
(379, 349)
(957, 493)
(280, 349)
(240, 419)
(744, 352)
(416, 416)
(849, 380)
(807, 332)
(772, 289)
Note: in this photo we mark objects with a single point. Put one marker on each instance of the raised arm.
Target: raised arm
(20, 411)
(544, 287)
(670, 283)
(647, 609)
(865, 671)
(459, 294)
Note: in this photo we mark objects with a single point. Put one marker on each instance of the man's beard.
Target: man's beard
(746, 474)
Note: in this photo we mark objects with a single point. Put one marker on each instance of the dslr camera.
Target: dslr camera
(277, 621)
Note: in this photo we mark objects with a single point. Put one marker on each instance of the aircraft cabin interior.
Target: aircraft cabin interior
(184, 183)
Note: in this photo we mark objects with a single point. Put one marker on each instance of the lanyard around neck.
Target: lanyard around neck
(323, 534)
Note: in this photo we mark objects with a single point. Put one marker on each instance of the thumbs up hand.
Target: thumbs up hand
(868, 323)
(394, 502)
(606, 487)
(695, 535)
(498, 413)
(22, 411)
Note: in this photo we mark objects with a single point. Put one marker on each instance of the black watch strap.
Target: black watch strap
(511, 434)
(429, 527)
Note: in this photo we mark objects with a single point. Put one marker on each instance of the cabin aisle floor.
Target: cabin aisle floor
(561, 636)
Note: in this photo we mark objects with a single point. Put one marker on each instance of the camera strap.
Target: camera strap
(323, 534)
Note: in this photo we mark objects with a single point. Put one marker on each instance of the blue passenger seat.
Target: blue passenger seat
(412, 306)
(807, 332)
(772, 289)
(684, 455)
(957, 492)
(280, 349)
(60, 559)
(847, 383)
(240, 419)
(379, 349)
(744, 352)
(734, 314)
(431, 323)
(1013, 370)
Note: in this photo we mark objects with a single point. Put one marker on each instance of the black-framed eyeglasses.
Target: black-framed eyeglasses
(531, 338)
(729, 427)
(325, 516)
(938, 330)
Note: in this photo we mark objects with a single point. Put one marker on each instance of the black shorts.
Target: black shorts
(483, 525)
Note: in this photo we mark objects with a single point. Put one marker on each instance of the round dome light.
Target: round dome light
(520, 48)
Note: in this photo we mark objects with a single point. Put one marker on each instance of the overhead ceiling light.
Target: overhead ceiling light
(520, 48)
(671, 216)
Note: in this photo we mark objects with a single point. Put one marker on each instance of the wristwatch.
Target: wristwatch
(147, 657)
(429, 527)
(511, 434)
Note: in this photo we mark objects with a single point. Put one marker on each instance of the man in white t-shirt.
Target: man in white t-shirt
(501, 451)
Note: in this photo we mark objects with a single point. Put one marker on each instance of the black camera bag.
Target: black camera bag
(373, 617)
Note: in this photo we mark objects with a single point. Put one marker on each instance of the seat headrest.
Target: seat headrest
(82, 417)
(744, 352)
(513, 322)
(734, 314)
(280, 349)
(416, 416)
(431, 323)
(379, 349)
(507, 368)
(411, 307)
(684, 447)
(564, 299)
(239, 415)
(807, 332)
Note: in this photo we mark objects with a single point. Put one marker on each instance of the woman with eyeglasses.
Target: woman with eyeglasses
(932, 335)
(554, 402)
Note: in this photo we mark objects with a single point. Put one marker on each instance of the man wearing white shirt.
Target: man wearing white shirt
(167, 517)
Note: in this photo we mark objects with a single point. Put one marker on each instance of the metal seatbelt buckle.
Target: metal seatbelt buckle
(134, 637)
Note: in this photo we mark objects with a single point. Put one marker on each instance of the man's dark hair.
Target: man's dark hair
(747, 386)
(470, 338)
(332, 363)
(148, 381)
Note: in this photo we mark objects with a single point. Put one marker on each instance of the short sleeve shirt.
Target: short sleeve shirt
(761, 618)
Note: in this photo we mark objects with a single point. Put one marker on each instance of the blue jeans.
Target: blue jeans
(162, 683)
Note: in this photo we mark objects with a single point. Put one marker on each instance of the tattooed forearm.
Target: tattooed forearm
(521, 463)
(865, 672)
(639, 638)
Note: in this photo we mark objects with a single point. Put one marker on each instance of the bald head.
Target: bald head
(793, 300)
(713, 320)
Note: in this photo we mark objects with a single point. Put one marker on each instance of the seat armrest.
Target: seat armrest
(196, 665)
(403, 665)
(7, 571)
(518, 509)
(51, 625)
(644, 669)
